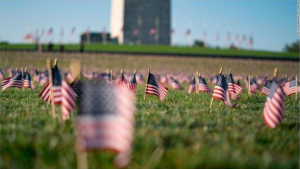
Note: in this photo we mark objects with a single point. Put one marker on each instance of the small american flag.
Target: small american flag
(192, 86)
(27, 80)
(156, 88)
(15, 81)
(221, 92)
(131, 85)
(68, 98)
(122, 80)
(274, 107)
(175, 84)
(289, 88)
(188, 32)
(106, 120)
(231, 87)
(253, 85)
(238, 87)
(202, 86)
(5, 81)
(266, 89)
(56, 79)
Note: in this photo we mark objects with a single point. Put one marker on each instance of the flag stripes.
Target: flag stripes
(274, 107)
(68, 97)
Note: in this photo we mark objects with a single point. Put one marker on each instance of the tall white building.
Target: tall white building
(141, 21)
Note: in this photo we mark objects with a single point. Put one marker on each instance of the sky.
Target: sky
(271, 23)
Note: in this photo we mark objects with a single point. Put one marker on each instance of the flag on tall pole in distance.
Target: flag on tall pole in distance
(202, 86)
(154, 87)
(28, 37)
(231, 87)
(50, 31)
(131, 85)
(274, 107)
(221, 90)
(172, 31)
(106, 121)
(73, 30)
(188, 32)
(136, 32)
(15, 82)
(175, 84)
(251, 42)
(267, 86)
(291, 87)
(238, 87)
(56, 79)
(68, 98)
(27, 81)
(153, 31)
(228, 36)
(192, 86)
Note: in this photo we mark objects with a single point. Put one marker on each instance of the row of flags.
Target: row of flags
(20, 79)
(106, 110)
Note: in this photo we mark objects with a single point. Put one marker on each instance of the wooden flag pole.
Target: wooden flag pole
(75, 68)
(197, 82)
(51, 87)
(81, 157)
(212, 99)
(134, 72)
(275, 73)
(296, 87)
(146, 84)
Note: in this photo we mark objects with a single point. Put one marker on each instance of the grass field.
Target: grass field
(152, 49)
(181, 132)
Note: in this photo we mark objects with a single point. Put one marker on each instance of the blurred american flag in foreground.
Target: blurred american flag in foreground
(106, 120)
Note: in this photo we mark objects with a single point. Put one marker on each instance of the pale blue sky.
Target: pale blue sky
(273, 23)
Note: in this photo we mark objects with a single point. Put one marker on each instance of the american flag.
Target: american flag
(202, 86)
(5, 81)
(68, 98)
(253, 85)
(140, 78)
(131, 85)
(122, 80)
(289, 88)
(73, 30)
(106, 120)
(50, 31)
(192, 86)
(136, 32)
(156, 88)
(238, 87)
(266, 89)
(56, 79)
(28, 36)
(221, 92)
(231, 87)
(27, 80)
(188, 32)
(15, 81)
(76, 87)
(175, 84)
(153, 31)
(274, 107)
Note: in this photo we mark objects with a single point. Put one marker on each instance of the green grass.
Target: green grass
(181, 132)
(165, 50)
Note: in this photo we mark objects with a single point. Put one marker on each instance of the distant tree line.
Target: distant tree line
(294, 47)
